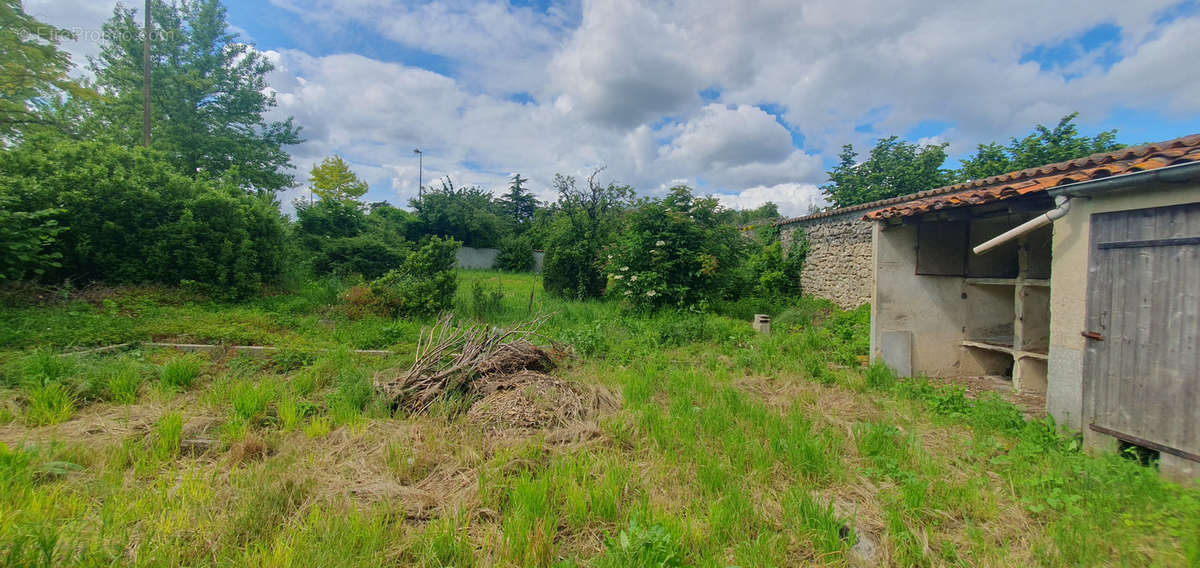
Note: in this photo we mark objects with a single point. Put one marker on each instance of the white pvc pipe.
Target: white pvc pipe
(1063, 205)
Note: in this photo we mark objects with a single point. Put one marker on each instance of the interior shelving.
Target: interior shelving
(1008, 320)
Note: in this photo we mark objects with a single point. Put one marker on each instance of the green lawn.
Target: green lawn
(727, 448)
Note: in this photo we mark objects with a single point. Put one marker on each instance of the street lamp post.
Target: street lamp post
(420, 171)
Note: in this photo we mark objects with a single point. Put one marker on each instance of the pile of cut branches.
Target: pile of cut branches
(450, 357)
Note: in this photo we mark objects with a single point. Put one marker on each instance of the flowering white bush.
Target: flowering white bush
(674, 252)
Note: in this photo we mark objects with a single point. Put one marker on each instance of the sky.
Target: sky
(750, 101)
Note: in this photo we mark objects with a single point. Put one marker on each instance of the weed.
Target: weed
(291, 410)
(880, 377)
(250, 399)
(168, 433)
(444, 544)
(318, 427)
(818, 523)
(49, 404)
(42, 366)
(121, 383)
(180, 373)
(486, 301)
(642, 546)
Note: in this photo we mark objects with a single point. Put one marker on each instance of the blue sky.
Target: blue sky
(753, 105)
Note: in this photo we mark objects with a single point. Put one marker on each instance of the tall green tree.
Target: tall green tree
(519, 204)
(895, 167)
(333, 179)
(1043, 146)
(208, 94)
(468, 214)
(587, 220)
(33, 71)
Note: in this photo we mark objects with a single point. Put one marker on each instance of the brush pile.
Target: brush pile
(452, 358)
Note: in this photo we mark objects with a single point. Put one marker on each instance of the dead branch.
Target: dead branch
(449, 356)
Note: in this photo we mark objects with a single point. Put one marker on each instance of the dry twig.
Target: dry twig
(449, 356)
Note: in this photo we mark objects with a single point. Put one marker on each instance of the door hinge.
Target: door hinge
(1093, 335)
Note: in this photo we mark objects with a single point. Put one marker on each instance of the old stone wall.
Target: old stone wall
(839, 257)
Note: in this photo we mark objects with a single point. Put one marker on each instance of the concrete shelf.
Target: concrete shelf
(1008, 282)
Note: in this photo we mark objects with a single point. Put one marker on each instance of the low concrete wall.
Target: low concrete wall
(839, 261)
(485, 258)
(469, 257)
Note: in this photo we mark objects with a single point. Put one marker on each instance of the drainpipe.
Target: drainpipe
(1063, 204)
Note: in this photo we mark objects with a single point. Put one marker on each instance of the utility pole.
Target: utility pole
(420, 172)
(146, 81)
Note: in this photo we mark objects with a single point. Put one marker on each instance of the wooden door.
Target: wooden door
(1142, 364)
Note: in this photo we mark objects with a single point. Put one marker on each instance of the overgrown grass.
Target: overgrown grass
(730, 448)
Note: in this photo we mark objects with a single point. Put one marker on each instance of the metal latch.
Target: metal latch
(1092, 335)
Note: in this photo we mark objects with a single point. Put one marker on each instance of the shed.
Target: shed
(1079, 280)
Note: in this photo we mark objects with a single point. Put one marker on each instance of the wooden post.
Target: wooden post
(146, 80)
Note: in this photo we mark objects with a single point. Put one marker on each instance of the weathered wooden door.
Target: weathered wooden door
(1142, 363)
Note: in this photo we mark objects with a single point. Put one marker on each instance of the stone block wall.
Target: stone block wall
(839, 257)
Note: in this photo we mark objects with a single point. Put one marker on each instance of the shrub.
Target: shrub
(772, 274)
(128, 217)
(675, 252)
(585, 224)
(425, 284)
(571, 267)
(516, 255)
(26, 238)
(340, 239)
(364, 255)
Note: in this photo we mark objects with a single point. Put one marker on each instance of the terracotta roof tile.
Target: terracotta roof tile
(1042, 178)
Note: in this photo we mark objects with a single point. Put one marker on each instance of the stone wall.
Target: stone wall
(839, 256)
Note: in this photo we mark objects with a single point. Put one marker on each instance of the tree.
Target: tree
(519, 204)
(467, 214)
(333, 179)
(208, 95)
(586, 221)
(894, 168)
(33, 71)
(1043, 146)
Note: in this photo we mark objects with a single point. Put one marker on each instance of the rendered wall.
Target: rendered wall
(1068, 289)
(485, 258)
(927, 313)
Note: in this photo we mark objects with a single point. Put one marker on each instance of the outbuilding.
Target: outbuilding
(1079, 280)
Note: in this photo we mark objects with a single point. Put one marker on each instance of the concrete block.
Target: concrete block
(895, 349)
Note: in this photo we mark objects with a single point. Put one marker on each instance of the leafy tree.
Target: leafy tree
(519, 204)
(467, 214)
(894, 168)
(333, 179)
(33, 71)
(676, 252)
(340, 239)
(208, 98)
(1043, 146)
(586, 221)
